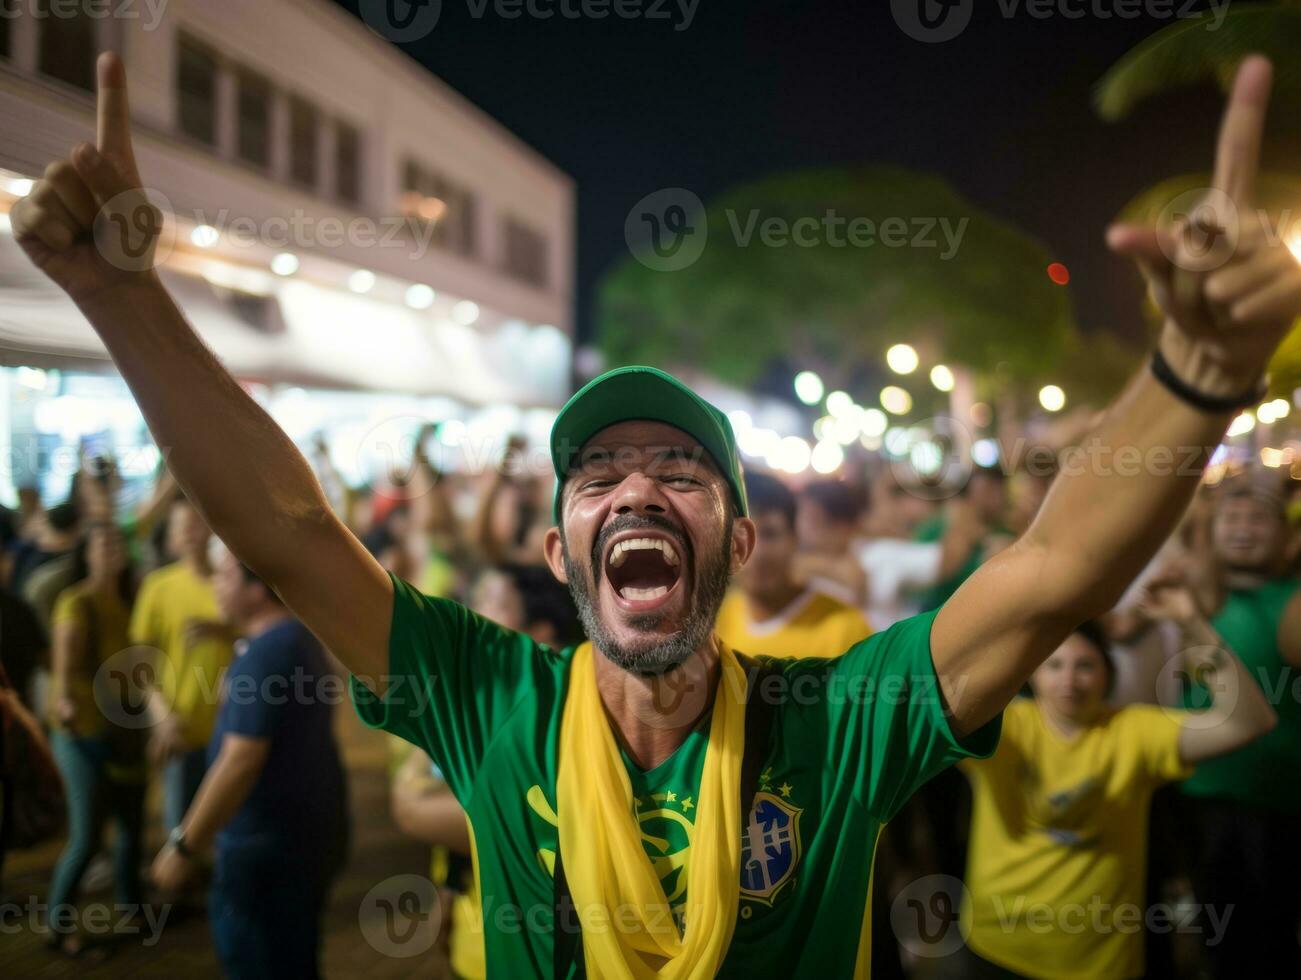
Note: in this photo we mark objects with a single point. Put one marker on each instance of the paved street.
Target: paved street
(183, 947)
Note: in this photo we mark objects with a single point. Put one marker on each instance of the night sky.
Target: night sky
(1003, 112)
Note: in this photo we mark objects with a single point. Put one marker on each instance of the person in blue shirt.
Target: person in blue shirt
(274, 800)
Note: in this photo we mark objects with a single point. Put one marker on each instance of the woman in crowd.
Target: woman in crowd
(102, 763)
(1058, 851)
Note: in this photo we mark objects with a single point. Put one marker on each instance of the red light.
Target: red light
(1059, 274)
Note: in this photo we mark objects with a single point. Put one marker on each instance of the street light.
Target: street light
(839, 404)
(942, 377)
(1052, 398)
(827, 457)
(902, 359)
(895, 400)
(809, 387)
(285, 264)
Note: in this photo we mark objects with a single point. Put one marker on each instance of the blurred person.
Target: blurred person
(528, 599)
(425, 809)
(24, 645)
(391, 550)
(32, 802)
(897, 508)
(1247, 804)
(900, 570)
(176, 614)
(559, 756)
(102, 762)
(1061, 809)
(1030, 485)
(826, 526)
(273, 804)
(985, 499)
(771, 612)
(1143, 645)
(510, 522)
(57, 532)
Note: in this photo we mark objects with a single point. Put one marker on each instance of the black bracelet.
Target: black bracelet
(1213, 404)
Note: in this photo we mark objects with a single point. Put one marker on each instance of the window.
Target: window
(196, 91)
(347, 163)
(450, 208)
(67, 47)
(302, 142)
(254, 118)
(526, 254)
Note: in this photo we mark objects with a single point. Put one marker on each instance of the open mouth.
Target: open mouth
(643, 569)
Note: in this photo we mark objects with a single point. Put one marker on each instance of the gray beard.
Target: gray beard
(709, 584)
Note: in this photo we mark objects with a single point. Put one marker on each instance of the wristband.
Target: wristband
(177, 839)
(1213, 404)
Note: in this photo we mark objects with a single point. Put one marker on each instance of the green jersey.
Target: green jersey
(1259, 774)
(850, 740)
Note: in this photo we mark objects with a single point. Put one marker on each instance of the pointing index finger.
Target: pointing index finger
(1237, 157)
(113, 115)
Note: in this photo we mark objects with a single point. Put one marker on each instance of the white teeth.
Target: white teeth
(621, 548)
(655, 593)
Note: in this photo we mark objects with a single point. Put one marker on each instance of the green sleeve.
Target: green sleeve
(453, 677)
(887, 725)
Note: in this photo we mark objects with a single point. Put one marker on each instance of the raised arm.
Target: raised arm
(81, 224)
(1239, 711)
(1226, 308)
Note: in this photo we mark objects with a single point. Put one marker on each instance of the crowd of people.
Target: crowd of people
(1148, 762)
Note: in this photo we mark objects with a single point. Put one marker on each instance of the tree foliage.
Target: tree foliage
(985, 302)
(1193, 50)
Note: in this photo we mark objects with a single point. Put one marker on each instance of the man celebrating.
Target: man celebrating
(608, 778)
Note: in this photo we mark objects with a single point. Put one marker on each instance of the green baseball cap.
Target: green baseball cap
(638, 393)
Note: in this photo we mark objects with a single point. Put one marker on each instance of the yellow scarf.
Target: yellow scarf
(628, 928)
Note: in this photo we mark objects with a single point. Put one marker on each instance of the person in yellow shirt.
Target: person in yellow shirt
(772, 612)
(176, 614)
(1058, 854)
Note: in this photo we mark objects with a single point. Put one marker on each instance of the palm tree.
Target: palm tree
(1194, 50)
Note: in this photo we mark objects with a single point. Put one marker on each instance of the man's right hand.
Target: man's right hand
(87, 223)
